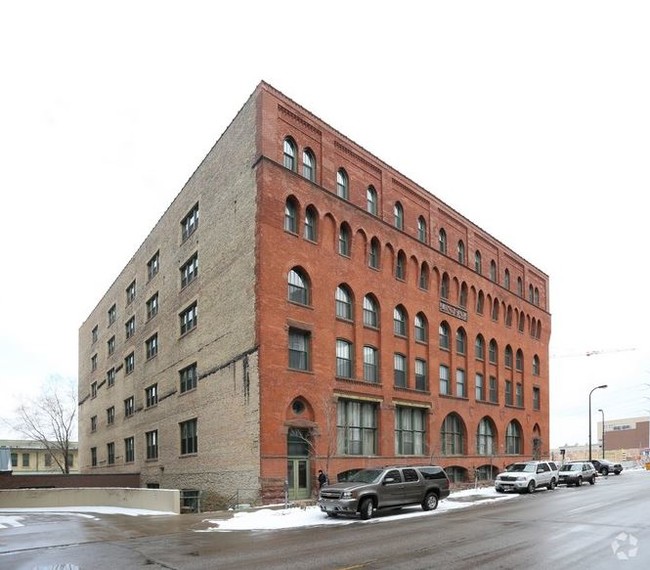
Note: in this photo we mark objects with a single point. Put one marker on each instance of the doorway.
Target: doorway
(298, 467)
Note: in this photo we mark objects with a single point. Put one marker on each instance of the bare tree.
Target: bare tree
(51, 419)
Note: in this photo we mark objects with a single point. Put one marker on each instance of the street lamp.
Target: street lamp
(590, 393)
(603, 438)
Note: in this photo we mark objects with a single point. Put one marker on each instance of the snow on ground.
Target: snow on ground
(296, 516)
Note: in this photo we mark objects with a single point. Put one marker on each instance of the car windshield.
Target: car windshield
(523, 467)
(571, 467)
(366, 476)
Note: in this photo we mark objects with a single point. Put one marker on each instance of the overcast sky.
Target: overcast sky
(532, 119)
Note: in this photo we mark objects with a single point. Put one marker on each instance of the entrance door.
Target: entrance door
(298, 478)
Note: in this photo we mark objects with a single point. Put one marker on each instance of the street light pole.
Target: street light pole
(590, 393)
(603, 438)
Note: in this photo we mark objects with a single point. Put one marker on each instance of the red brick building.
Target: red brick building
(342, 317)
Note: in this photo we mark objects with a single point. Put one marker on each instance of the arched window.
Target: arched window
(370, 312)
(400, 266)
(373, 253)
(344, 240)
(519, 361)
(485, 438)
(536, 297)
(290, 154)
(444, 287)
(506, 279)
(311, 224)
(424, 276)
(344, 354)
(399, 321)
(493, 351)
(461, 341)
(477, 262)
(298, 287)
(530, 293)
(399, 370)
(479, 348)
(452, 439)
(442, 241)
(371, 200)
(535, 365)
(342, 189)
(461, 252)
(309, 165)
(443, 334)
(507, 357)
(398, 213)
(343, 303)
(513, 439)
(480, 300)
(493, 271)
(520, 287)
(521, 322)
(420, 324)
(291, 216)
(495, 310)
(370, 364)
(462, 299)
(422, 230)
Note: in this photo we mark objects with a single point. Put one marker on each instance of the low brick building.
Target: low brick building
(302, 305)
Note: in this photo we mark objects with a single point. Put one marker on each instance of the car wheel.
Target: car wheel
(592, 481)
(500, 490)
(551, 485)
(579, 482)
(366, 509)
(617, 472)
(531, 487)
(604, 471)
(332, 515)
(430, 502)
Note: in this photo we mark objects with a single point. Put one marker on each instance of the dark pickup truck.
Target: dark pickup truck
(385, 488)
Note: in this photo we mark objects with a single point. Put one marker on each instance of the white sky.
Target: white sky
(529, 118)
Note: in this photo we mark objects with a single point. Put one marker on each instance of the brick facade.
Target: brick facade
(249, 403)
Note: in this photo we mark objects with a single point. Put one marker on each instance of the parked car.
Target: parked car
(605, 467)
(385, 487)
(526, 476)
(576, 473)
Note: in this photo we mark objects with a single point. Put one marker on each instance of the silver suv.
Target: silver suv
(576, 473)
(527, 476)
(385, 487)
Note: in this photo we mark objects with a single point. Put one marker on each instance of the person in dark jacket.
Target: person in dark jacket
(322, 478)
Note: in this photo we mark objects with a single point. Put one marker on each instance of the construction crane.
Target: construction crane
(592, 352)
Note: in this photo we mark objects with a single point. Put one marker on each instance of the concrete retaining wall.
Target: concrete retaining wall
(166, 500)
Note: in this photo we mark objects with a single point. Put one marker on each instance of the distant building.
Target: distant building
(31, 457)
(322, 312)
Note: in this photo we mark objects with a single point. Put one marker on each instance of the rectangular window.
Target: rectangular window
(152, 306)
(93, 390)
(112, 315)
(129, 327)
(480, 387)
(130, 292)
(494, 390)
(461, 384)
(110, 453)
(356, 426)
(151, 395)
(189, 319)
(93, 457)
(190, 222)
(189, 437)
(409, 430)
(129, 363)
(188, 378)
(93, 423)
(508, 392)
(95, 334)
(421, 380)
(129, 450)
(110, 345)
(299, 349)
(370, 364)
(519, 393)
(151, 346)
(14, 460)
(343, 359)
(93, 363)
(152, 444)
(399, 370)
(110, 377)
(445, 388)
(25, 459)
(110, 415)
(129, 407)
(190, 270)
(48, 460)
(153, 265)
(536, 399)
